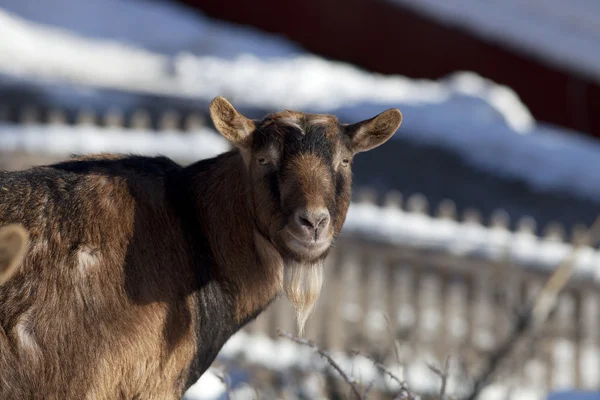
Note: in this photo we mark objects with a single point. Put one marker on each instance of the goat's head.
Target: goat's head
(299, 172)
(14, 240)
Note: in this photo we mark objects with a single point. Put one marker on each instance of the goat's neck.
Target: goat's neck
(245, 264)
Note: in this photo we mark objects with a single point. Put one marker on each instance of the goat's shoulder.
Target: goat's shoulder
(93, 261)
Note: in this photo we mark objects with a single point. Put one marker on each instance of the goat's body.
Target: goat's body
(124, 291)
(139, 270)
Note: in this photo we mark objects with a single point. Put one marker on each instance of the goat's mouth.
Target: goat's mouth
(309, 249)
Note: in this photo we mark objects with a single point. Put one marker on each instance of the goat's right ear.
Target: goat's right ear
(14, 240)
(373, 132)
(230, 123)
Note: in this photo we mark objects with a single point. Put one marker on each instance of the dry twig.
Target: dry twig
(381, 367)
(395, 344)
(404, 392)
(367, 390)
(443, 376)
(326, 356)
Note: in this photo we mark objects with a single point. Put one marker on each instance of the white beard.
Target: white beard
(302, 284)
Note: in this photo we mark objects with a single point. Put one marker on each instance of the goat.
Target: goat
(139, 269)
(14, 240)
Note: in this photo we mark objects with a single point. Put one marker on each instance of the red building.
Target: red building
(545, 50)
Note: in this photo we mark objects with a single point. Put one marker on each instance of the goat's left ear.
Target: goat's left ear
(230, 123)
(373, 132)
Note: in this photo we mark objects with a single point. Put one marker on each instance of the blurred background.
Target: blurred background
(456, 223)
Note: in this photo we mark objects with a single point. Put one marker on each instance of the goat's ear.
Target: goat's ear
(373, 132)
(230, 123)
(14, 240)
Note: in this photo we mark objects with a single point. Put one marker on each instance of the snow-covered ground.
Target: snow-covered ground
(281, 354)
(66, 42)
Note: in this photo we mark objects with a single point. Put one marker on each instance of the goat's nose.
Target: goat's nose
(313, 219)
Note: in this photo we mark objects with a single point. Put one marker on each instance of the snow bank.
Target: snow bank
(66, 140)
(164, 27)
(396, 226)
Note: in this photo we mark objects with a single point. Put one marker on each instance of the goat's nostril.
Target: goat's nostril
(305, 222)
(312, 220)
(323, 220)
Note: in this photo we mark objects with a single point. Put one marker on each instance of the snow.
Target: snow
(140, 23)
(82, 139)
(496, 391)
(565, 34)
(208, 387)
(397, 226)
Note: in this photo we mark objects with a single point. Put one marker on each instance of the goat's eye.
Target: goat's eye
(345, 162)
(263, 161)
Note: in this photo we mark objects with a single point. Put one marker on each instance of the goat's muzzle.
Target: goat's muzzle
(308, 233)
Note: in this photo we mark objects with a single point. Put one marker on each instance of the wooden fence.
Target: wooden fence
(137, 119)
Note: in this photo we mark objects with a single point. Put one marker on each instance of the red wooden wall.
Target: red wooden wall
(383, 37)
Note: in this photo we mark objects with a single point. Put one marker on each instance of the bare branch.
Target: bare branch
(404, 392)
(443, 376)
(326, 356)
(368, 389)
(559, 279)
(501, 352)
(381, 367)
(395, 344)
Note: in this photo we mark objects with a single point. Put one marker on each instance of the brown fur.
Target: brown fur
(139, 270)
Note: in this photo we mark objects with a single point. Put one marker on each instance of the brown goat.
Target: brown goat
(139, 270)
